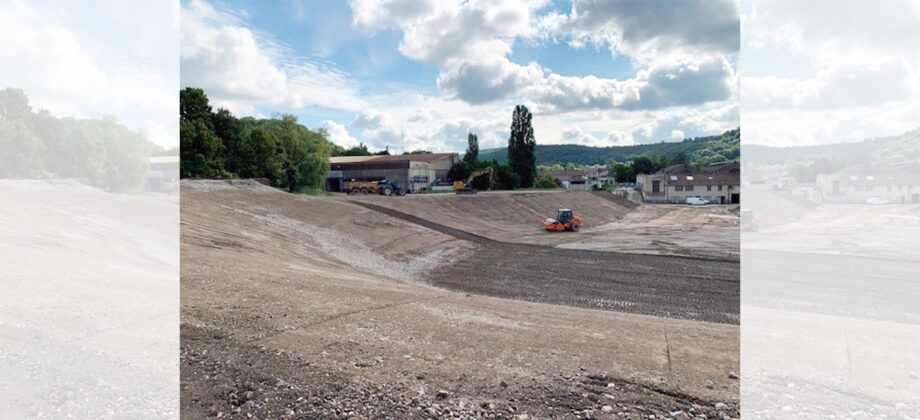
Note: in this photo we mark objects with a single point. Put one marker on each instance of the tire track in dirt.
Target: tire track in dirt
(675, 287)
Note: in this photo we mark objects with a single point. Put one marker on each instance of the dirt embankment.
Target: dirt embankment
(611, 224)
(312, 307)
(677, 287)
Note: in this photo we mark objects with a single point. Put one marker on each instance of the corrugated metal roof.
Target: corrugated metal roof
(351, 159)
(164, 159)
(428, 157)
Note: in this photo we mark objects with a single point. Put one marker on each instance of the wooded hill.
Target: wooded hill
(901, 148)
(699, 150)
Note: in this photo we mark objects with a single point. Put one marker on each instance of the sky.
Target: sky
(828, 71)
(421, 74)
(112, 59)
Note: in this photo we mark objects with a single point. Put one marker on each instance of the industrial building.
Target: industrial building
(163, 175)
(417, 172)
(720, 183)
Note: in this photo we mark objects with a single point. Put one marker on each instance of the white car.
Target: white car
(697, 201)
(877, 200)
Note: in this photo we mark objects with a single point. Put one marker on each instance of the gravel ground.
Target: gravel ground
(276, 323)
(678, 287)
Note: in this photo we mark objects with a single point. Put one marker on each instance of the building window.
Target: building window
(720, 188)
(709, 188)
(656, 186)
(678, 188)
(689, 187)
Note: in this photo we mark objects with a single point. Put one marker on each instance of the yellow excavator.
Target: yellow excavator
(461, 187)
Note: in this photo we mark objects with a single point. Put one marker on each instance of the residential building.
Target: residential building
(897, 183)
(720, 183)
(590, 178)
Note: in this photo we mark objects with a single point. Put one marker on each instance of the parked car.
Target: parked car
(697, 201)
(877, 200)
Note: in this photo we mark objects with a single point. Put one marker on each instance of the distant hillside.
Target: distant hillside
(725, 146)
(901, 148)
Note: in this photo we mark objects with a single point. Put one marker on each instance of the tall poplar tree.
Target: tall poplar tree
(522, 147)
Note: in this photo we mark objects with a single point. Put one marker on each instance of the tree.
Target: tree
(460, 171)
(522, 157)
(546, 181)
(643, 165)
(623, 173)
(359, 150)
(472, 149)
(229, 130)
(193, 105)
(198, 146)
(505, 177)
(258, 159)
(680, 157)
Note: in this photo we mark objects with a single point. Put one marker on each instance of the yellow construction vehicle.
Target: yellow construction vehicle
(461, 187)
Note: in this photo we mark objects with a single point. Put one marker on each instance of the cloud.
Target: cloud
(687, 123)
(662, 85)
(577, 135)
(838, 81)
(852, 84)
(618, 138)
(161, 136)
(76, 71)
(646, 32)
(380, 129)
(339, 135)
(470, 43)
(488, 80)
(241, 67)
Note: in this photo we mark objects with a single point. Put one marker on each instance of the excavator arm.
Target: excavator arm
(476, 174)
(461, 187)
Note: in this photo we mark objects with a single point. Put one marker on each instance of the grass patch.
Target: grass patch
(314, 191)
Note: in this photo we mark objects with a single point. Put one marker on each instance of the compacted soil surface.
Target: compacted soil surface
(319, 307)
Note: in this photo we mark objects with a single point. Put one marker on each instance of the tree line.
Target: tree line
(699, 151)
(520, 171)
(218, 144)
(99, 152)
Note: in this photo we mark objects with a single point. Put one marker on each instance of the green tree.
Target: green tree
(193, 105)
(522, 156)
(460, 171)
(644, 165)
(229, 130)
(546, 181)
(359, 150)
(198, 147)
(623, 173)
(472, 149)
(505, 177)
(258, 159)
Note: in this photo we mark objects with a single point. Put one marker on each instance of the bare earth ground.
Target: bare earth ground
(88, 302)
(317, 307)
(611, 224)
(830, 308)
